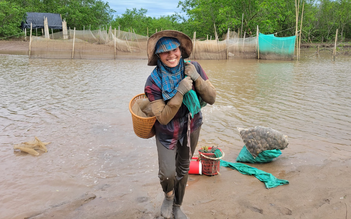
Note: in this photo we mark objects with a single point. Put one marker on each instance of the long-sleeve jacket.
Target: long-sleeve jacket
(172, 120)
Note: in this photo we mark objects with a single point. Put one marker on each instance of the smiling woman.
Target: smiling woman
(177, 127)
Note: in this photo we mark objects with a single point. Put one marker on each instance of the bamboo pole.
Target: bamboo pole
(242, 21)
(74, 39)
(243, 50)
(336, 40)
(297, 21)
(194, 39)
(64, 30)
(25, 34)
(303, 5)
(258, 46)
(115, 44)
(227, 43)
(46, 28)
(30, 41)
(216, 36)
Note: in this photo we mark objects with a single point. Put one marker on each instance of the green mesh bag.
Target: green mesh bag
(191, 101)
(263, 157)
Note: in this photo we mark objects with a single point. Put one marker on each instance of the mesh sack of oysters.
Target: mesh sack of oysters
(261, 138)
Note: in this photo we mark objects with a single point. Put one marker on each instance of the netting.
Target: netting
(87, 44)
(116, 44)
(271, 47)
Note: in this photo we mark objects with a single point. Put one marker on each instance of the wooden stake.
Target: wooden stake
(46, 28)
(115, 44)
(243, 50)
(297, 17)
(216, 36)
(194, 38)
(64, 30)
(303, 5)
(242, 20)
(227, 43)
(258, 46)
(30, 41)
(74, 39)
(336, 40)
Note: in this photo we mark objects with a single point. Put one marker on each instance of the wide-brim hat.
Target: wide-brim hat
(186, 45)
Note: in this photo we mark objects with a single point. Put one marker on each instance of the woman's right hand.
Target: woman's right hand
(185, 85)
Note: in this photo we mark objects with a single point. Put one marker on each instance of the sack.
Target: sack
(142, 107)
(261, 138)
(263, 157)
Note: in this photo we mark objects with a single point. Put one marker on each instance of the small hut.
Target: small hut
(37, 20)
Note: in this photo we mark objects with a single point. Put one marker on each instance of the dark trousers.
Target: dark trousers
(174, 166)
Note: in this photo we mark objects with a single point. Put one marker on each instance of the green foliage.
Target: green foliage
(321, 18)
(10, 14)
(78, 14)
(137, 21)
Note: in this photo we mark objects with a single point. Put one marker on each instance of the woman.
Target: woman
(177, 130)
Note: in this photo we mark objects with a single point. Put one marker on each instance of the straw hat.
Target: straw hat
(186, 45)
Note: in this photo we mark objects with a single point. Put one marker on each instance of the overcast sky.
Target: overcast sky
(155, 8)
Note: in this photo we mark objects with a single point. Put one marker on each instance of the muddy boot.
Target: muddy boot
(167, 204)
(178, 213)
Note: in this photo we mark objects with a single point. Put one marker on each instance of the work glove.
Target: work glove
(190, 71)
(185, 85)
(165, 112)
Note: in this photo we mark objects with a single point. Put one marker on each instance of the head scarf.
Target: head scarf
(166, 44)
(166, 78)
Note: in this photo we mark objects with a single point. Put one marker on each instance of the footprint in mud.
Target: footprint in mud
(142, 199)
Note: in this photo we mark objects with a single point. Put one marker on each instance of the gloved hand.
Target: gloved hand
(190, 70)
(185, 85)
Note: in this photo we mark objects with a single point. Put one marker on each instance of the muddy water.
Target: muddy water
(81, 107)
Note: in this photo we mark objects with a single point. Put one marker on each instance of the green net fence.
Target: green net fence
(272, 47)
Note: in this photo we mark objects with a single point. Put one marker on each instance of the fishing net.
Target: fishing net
(191, 101)
(272, 47)
(259, 139)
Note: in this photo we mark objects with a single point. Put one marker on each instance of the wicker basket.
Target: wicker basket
(210, 163)
(143, 126)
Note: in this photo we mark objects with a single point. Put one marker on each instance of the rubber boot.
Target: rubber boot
(178, 213)
(167, 204)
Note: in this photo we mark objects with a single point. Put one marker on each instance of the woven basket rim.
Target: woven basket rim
(211, 158)
(135, 115)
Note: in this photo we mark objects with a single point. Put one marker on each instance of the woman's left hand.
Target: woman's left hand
(190, 71)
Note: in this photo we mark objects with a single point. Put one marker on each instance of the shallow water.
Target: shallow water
(81, 107)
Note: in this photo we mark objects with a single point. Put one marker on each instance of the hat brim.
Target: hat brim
(186, 45)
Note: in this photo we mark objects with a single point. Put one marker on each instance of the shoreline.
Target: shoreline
(20, 47)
